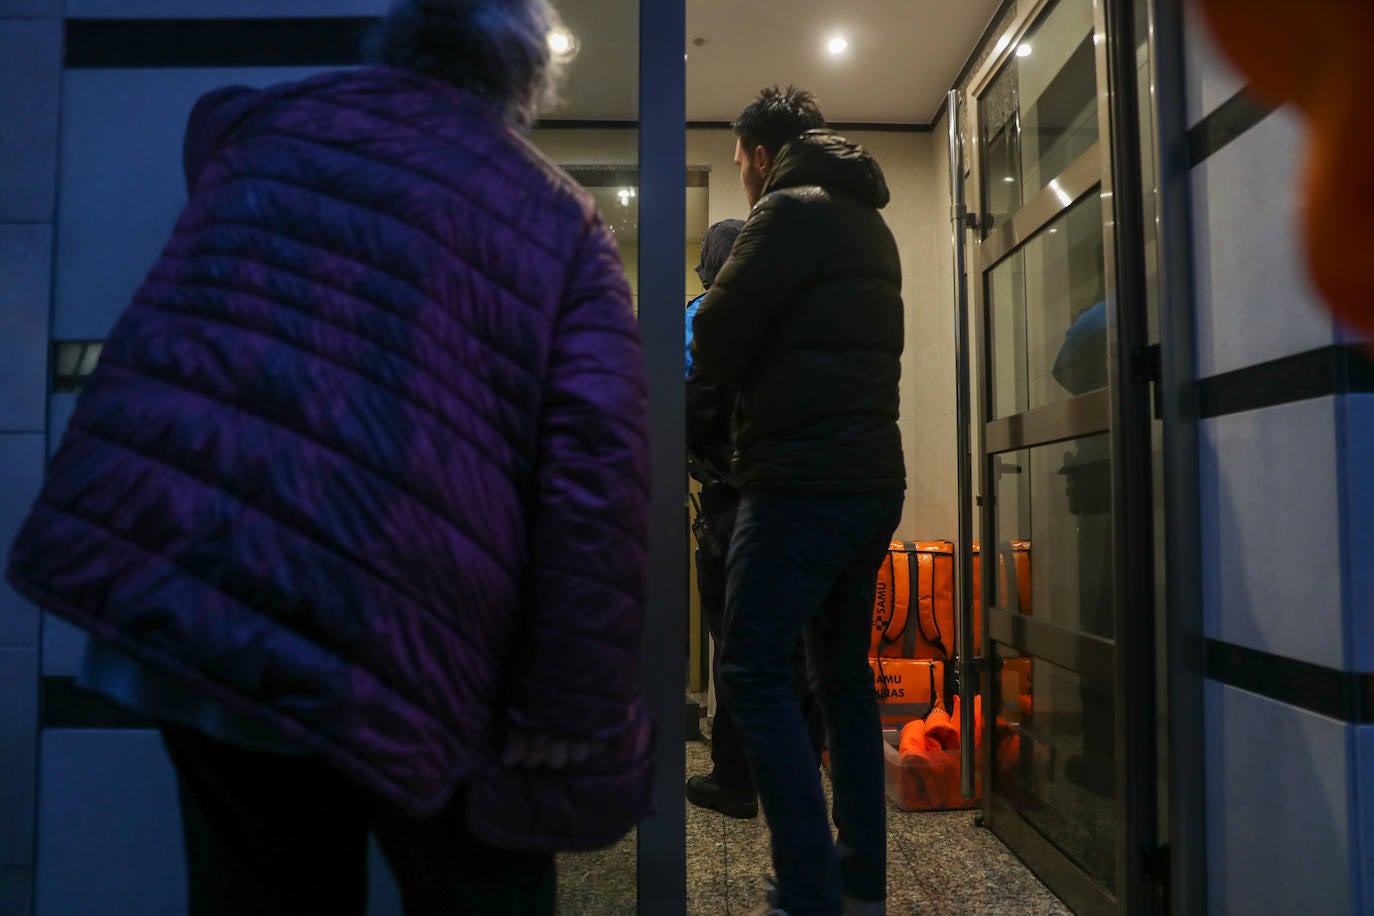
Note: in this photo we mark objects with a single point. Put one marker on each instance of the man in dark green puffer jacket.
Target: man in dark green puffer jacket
(805, 319)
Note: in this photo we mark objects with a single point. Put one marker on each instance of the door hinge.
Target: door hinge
(1155, 864)
(1146, 369)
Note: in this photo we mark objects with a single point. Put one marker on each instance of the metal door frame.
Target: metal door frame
(661, 877)
(1122, 410)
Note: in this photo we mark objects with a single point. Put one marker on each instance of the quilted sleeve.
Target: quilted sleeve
(590, 525)
(212, 119)
(771, 263)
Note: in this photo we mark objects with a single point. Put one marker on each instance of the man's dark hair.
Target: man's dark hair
(776, 118)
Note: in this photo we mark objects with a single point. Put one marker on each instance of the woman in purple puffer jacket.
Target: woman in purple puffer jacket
(355, 504)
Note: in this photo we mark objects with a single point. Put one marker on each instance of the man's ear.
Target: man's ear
(762, 161)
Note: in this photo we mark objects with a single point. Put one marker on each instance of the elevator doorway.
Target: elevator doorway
(1064, 463)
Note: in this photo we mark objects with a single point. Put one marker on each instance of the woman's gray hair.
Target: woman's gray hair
(498, 50)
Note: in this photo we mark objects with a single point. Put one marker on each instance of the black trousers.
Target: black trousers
(267, 834)
(729, 765)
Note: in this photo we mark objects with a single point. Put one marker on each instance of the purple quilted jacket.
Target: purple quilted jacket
(366, 458)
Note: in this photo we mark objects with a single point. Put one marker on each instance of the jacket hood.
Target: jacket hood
(824, 158)
(715, 249)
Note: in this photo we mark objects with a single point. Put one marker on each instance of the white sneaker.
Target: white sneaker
(770, 893)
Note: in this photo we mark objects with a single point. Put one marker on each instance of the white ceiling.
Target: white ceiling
(903, 55)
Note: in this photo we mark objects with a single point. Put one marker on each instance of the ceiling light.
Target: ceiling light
(1001, 45)
(837, 45)
(1023, 50)
(1008, 179)
(562, 43)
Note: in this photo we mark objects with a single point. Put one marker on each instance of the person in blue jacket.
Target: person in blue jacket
(1080, 367)
(729, 787)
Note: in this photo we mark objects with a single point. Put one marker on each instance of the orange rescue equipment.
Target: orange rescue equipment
(1317, 55)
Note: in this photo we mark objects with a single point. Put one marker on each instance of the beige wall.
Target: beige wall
(928, 379)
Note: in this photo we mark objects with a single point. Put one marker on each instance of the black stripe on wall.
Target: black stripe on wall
(1344, 695)
(1339, 369)
(153, 43)
(1233, 118)
(69, 705)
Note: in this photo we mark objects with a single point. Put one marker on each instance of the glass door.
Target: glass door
(1060, 524)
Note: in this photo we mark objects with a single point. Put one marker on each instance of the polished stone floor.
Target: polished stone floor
(938, 864)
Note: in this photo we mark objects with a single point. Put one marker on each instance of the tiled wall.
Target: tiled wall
(30, 76)
(1287, 540)
(928, 393)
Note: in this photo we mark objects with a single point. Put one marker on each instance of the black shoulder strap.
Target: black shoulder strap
(913, 600)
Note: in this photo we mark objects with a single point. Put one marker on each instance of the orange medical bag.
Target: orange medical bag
(913, 608)
(907, 688)
(913, 611)
(1013, 587)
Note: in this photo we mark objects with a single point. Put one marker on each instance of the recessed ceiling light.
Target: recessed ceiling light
(562, 42)
(837, 45)
(1008, 179)
(1023, 50)
(1001, 44)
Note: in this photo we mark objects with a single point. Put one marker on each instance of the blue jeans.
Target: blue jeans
(803, 563)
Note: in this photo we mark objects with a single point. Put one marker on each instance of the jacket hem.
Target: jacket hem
(413, 804)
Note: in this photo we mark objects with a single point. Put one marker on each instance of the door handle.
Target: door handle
(968, 668)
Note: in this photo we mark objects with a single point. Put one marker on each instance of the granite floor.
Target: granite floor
(938, 864)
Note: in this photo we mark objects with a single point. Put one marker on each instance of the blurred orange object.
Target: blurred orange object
(913, 739)
(1317, 55)
(940, 728)
(927, 781)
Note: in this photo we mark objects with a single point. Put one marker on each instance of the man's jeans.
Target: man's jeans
(809, 563)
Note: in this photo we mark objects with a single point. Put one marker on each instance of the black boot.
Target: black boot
(705, 792)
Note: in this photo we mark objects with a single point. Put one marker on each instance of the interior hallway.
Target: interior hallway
(938, 864)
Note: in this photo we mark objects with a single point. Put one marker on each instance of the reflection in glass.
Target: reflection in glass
(1040, 113)
(1149, 183)
(1054, 759)
(1058, 499)
(1048, 315)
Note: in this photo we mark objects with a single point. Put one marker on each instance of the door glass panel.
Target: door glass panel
(1149, 184)
(1054, 529)
(1054, 758)
(1048, 314)
(1040, 113)
(596, 141)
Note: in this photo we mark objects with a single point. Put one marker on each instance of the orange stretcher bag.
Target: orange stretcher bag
(1014, 583)
(907, 688)
(913, 610)
(913, 607)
